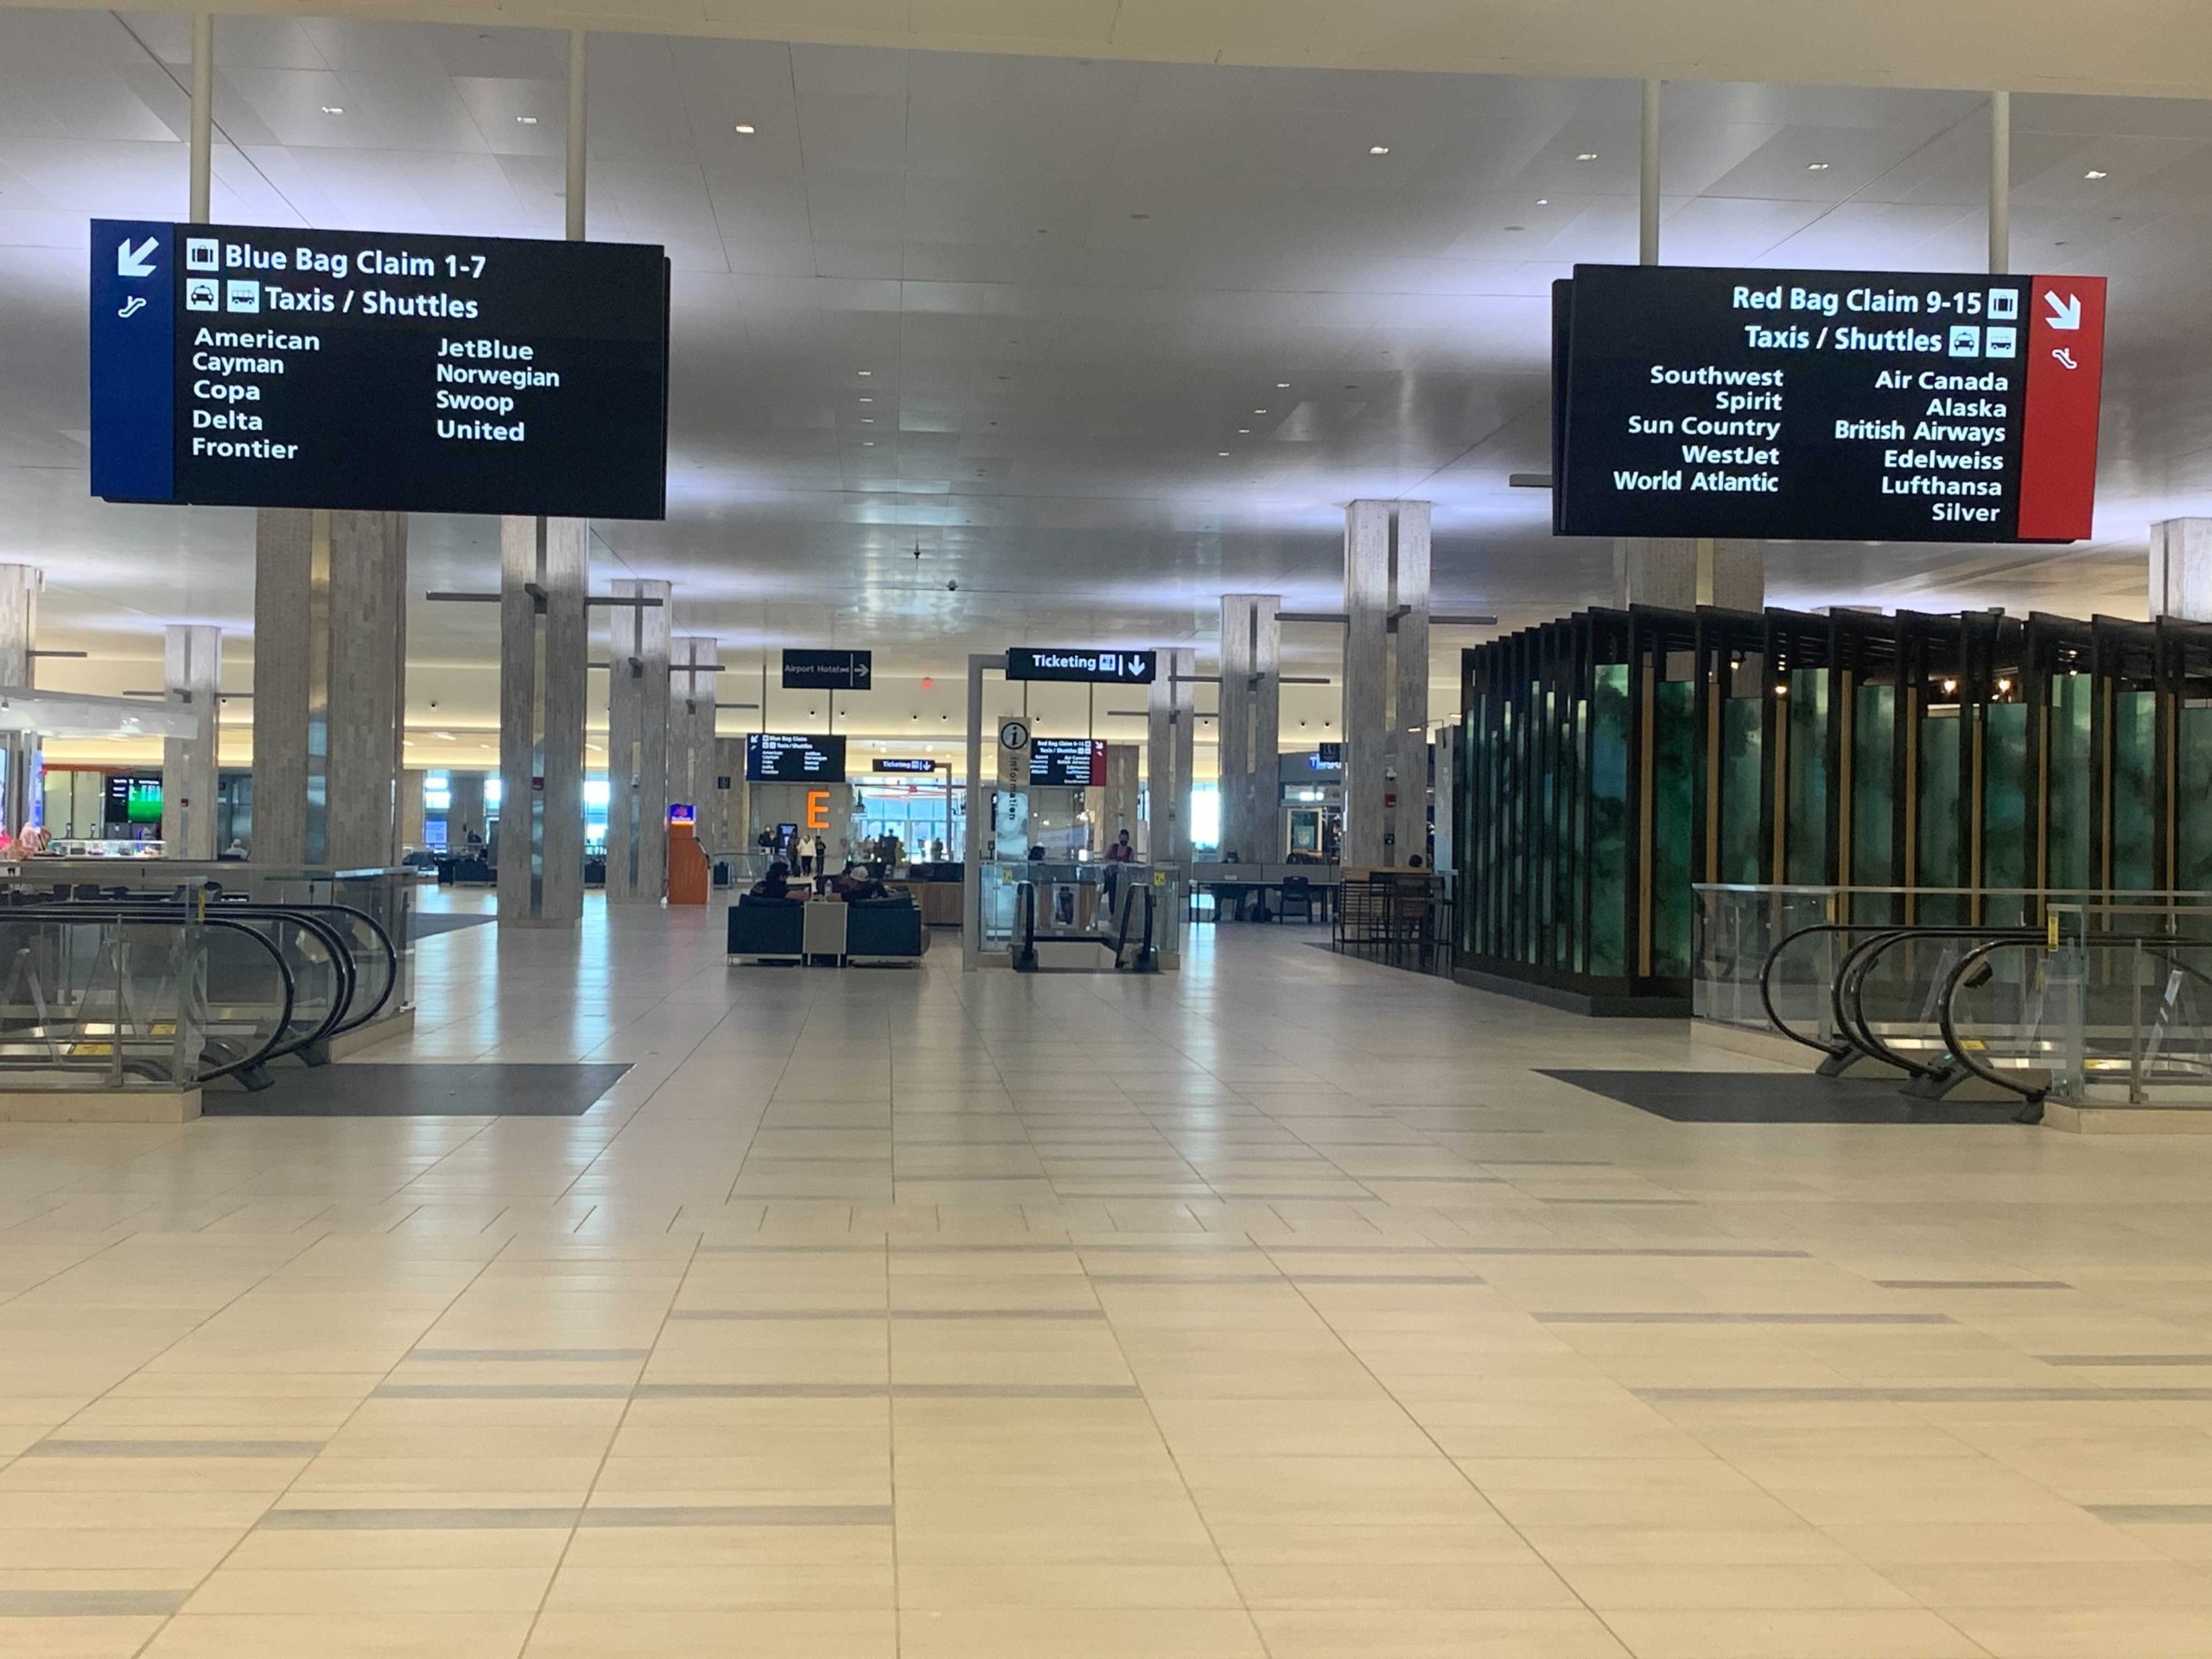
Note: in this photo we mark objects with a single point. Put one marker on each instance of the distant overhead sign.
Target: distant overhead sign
(1067, 762)
(829, 671)
(240, 365)
(1824, 405)
(790, 758)
(1098, 667)
(904, 763)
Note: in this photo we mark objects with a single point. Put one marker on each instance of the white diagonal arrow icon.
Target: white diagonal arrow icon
(2064, 314)
(131, 262)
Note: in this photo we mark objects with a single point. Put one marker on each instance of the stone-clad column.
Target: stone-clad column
(192, 672)
(1171, 726)
(543, 652)
(1366, 683)
(1117, 808)
(1251, 722)
(329, 686)
(2181, 570)
(1408, 820)
(693, 670)
(19, 591)
(466, 791)
(637, 744)
(1679, 573)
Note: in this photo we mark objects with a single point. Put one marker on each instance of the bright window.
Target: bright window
(597, 793)
(1205, 816)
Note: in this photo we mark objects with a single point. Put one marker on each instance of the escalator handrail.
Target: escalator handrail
(1851, 985)
(342, 965)
(1766, 981)
(87, 911)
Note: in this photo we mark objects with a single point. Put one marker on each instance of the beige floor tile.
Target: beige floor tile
(1079, 1633)
(341, 1635)
(360, 1589)
(1465, 1634)
(1823, 1633)
(723, 1584)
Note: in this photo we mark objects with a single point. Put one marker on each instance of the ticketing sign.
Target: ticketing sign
(913, 763)
(1097, 667)
(236, 365)
(1824, 405)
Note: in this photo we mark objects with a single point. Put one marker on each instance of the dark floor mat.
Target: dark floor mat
(1777, 1097)
(369, 1091)
(426, 924)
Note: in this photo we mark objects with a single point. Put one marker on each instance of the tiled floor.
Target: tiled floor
(1279, 1308)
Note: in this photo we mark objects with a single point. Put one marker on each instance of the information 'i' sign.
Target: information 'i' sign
(1824, 405)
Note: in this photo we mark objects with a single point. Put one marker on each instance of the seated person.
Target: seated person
(776, 884)
(857, 882)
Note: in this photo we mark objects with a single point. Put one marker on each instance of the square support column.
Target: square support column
(2181, 570)
(19, 590)
(329, 686)
(1681, 572)
(694, 671)
(636, 745)
(1366, 683)
(1409, 562)
(543, 652)
(1251, 725)
(1170, 721)
(464, 790)
(1117, 807)
(192, 672)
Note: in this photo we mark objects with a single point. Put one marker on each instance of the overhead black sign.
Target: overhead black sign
(1824, 405)
(1329, 754)
(1098, 667)
(776, 758)
(1067, 762)
(828, 670)
(904, 763)
(234, 366)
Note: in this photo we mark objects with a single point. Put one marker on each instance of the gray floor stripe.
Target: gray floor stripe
(532, 1356)
(1668, 1252)
(1967, 1393)
(172, 1449)
(882, 1314)
(89, 1604)
(744, 1515)
(883, 1391)
(501, 1391)
(1743, 1318)
(413, 1520)
(1973, 1284)
(2154, 1515)
(704, 1314)
(1189, 1279)
(2126, 1359)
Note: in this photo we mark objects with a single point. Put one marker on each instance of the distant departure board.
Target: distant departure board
(236, 365)
(791, 757)
(1067, 762)
(1824, 405)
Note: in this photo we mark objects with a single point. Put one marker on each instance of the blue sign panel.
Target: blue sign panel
(134, 360)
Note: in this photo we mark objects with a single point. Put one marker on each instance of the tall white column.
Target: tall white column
(191, 674)
(464, 811)
(693, 672)
(637, 744)
(1409, 565)
(1117, 808)
(329, 686)
(1366, 683)
(2181, 570)
(1251, 725)
(543, 651)
(19, 590)
(1679, 573)
(1171, 720)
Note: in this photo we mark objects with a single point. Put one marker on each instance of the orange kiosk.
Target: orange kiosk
(688, 876)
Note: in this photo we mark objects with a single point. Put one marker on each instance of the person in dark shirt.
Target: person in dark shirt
(776, 884)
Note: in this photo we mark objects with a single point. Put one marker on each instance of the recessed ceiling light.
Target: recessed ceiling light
(527, 120)
(1816, 167)
(1259, 411)
(2094, 173)
(864, 373)
(867, 400)
(868, 443)
(1282, 386)
(334, 109)
(1243, 431)
(867, 420)
(1224, 454)
(1378, 149)
(1543, 201)
(1587, 155)
(745, 127)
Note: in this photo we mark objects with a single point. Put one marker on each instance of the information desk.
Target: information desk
(1232, 885)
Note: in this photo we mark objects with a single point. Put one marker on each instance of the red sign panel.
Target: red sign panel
(2058, 439)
